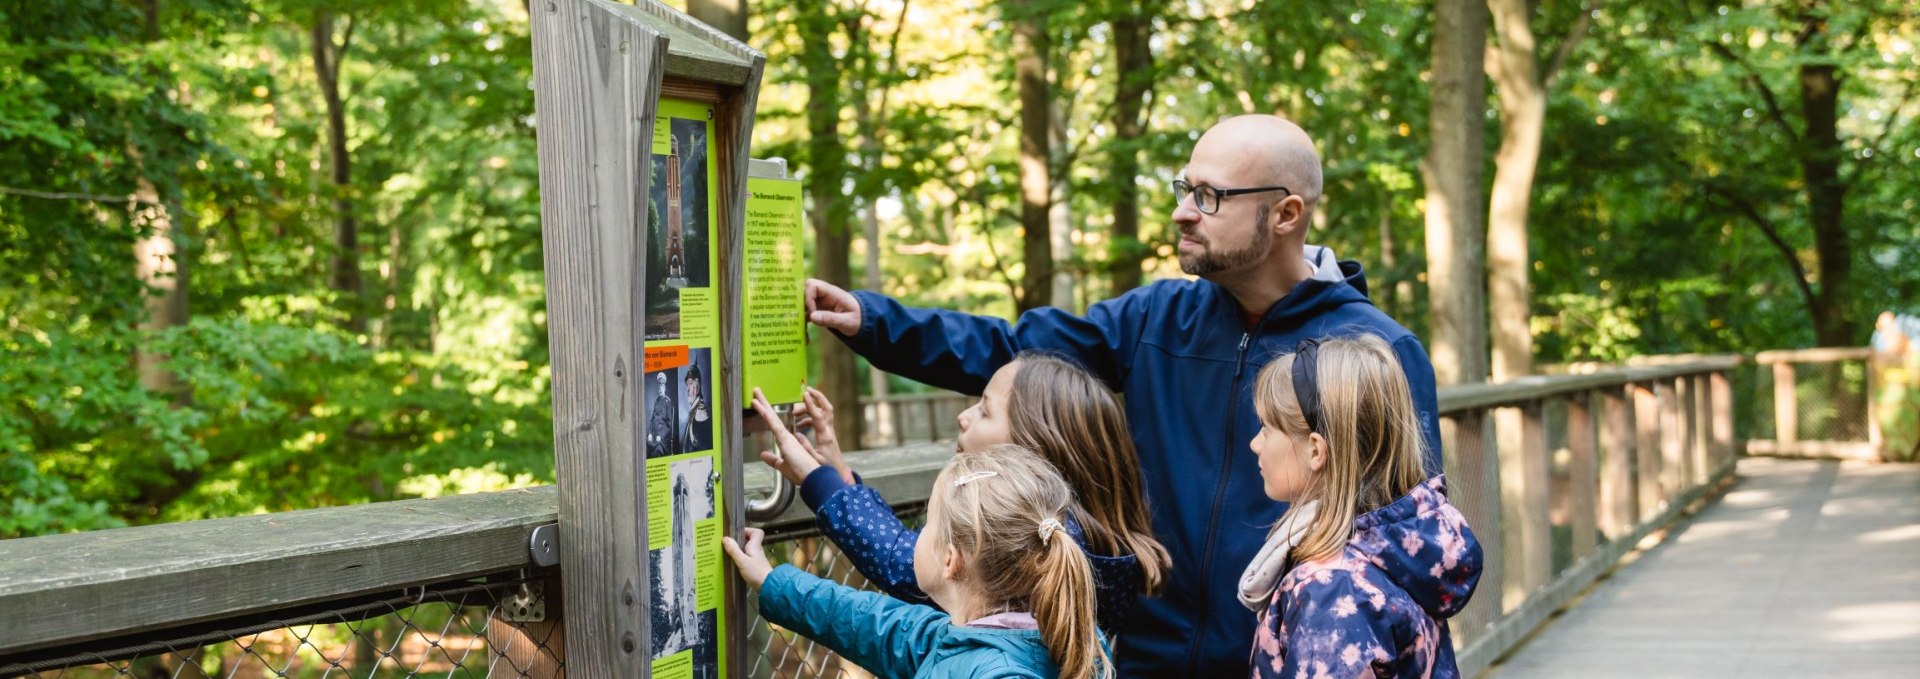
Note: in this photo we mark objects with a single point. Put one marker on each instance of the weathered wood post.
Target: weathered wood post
(644, 117)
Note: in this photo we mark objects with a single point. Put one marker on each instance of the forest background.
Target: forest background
(259, 255)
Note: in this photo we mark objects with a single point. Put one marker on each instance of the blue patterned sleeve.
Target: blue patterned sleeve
(863, 526)
(1338, 625)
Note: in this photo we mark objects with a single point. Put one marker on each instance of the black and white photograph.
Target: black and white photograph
(678, 624)
(696, 413)
(663, 391)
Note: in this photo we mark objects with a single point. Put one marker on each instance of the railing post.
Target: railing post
(1646, 424)
(1725, 447)
(1673, 440)
(1786, 411)
(1703, 424)
(1474, 487)
(1687, 428)
(1619, 505)
(1523, 509)
(1582, 481)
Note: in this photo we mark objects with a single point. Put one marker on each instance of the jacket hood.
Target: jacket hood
(1423, 544)
(1332, 284)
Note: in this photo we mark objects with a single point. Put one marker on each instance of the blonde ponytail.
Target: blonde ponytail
(1059, 601)
(1008, 517)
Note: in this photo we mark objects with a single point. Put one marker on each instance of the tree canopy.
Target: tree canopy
(349, 196)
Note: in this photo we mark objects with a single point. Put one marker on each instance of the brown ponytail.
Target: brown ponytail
(1007, 519)
(1067, 416)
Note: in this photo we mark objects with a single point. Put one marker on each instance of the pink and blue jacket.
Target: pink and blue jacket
(1379, 608)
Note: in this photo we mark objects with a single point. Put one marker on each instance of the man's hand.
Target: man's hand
(816, 412)
(750, 560)
(832, 308)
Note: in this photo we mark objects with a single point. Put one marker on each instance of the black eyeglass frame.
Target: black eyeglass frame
(1182, 189)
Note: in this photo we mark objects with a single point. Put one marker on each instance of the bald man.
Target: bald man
(1184, 353)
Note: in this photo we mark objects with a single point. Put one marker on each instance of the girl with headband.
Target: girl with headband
(1359, 576)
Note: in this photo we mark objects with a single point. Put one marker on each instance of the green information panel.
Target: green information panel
(685, 500)
(773, 315)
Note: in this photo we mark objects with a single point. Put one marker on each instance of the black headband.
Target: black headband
(1306, 385)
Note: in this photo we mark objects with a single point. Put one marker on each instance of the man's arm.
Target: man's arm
(960, 351)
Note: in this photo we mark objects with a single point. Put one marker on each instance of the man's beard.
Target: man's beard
(1210, 262)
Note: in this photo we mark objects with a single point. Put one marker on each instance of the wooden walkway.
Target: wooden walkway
(1804, 569)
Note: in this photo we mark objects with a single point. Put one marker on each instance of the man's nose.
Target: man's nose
(1185, 212)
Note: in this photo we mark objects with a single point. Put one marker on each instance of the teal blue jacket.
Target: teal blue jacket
(892, 638)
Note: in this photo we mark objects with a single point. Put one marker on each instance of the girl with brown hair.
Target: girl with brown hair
(1042, 403)
(1017, 595)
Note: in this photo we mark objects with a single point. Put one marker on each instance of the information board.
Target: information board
(773, 314)
(685, 500)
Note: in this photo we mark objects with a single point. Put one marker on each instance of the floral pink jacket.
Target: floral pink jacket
(1380, 607)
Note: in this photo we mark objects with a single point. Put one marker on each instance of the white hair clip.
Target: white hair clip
(971, 477)
(1047, 527)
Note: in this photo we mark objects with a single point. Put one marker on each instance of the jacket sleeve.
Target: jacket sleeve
(1334, 630)
(887, 637)
(1426, 397)
(959, 351)
(864, 527)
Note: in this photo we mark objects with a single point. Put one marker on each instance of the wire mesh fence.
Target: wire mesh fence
(491, 627)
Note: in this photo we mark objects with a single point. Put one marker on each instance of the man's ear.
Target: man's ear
(954, 564)
(1316, 452)
(1287, 215)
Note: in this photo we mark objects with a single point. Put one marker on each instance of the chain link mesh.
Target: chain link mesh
(1831, 400)
(451, 630)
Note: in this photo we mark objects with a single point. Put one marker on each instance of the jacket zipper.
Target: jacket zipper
(1219, 495)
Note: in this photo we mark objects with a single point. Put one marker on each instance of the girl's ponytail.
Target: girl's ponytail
(1006, 509)
(1063, 586)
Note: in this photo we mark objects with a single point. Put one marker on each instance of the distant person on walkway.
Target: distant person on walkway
(1360, 575)
(1183, 353)
(1015, 595)
(1041, 403)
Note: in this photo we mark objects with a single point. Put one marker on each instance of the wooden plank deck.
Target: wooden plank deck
(1805, 568)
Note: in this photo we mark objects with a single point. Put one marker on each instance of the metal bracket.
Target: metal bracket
(544, 546)
(526, 604)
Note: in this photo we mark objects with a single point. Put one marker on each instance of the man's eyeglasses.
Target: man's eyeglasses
(1206, 199)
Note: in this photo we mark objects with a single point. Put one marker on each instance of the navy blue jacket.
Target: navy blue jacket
(880, 546)
(1184, 361)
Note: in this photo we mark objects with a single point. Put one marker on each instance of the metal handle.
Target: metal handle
(772, 506)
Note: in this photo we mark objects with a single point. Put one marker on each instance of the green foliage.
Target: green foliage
(1661, 160)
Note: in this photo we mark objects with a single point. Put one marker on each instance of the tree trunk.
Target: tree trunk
(1826, 197)
(158, 260)
(1133, 71)
(1036, 182)
(730, 16)
(868, 140)
(346, 257)
(1523, 113)
(162, 265)
(1455, 251)
(1060, 213)
(827, 153)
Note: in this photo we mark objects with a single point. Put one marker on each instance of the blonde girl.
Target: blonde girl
(1042, 403)
(1014, 595)
(1363, 570)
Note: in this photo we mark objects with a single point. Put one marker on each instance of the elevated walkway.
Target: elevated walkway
(1804, 568)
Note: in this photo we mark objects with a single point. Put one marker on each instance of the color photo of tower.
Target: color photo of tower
(676, 250)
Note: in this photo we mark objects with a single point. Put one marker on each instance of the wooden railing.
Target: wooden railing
(1596, 463)
(1820, 404)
